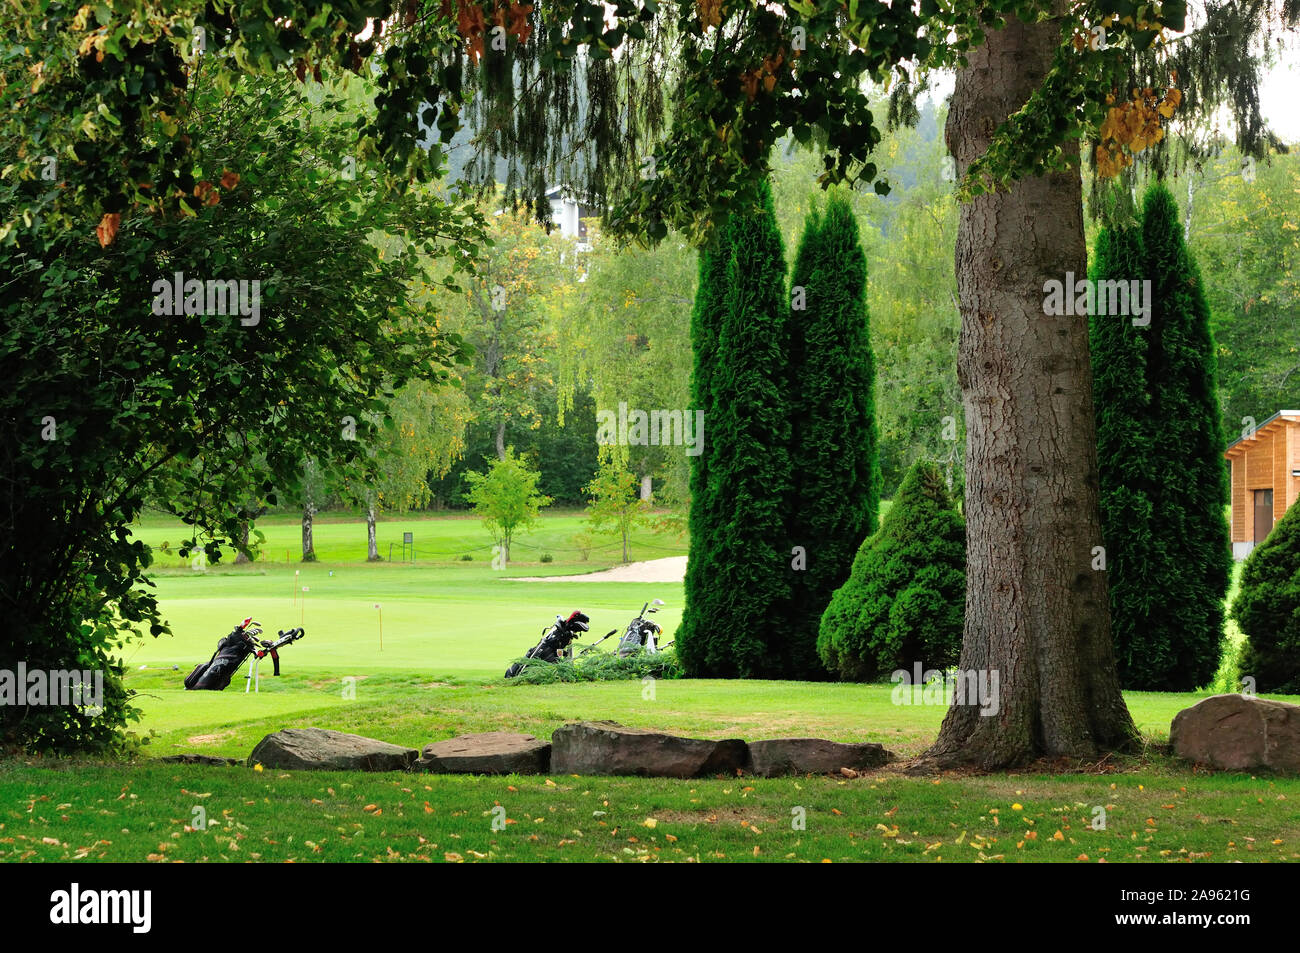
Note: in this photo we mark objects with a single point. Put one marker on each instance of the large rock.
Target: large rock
(493, 752)
(320, 749)
(1239, 733)
(778, 756)
(606, 747)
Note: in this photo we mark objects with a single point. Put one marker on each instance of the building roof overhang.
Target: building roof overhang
(1279, 420)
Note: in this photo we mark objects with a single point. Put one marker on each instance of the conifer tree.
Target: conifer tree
(1268, 609)
(1160, 452)
(706, 321)
(903, 601)
(738, 536)
(1189, 521)
(1125, 448)
(833, 447)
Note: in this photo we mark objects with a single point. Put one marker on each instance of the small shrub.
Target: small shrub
(582, 543)
(904, 599)
(1268, 609)
(547, 558)
(466, 558)
(599, 667)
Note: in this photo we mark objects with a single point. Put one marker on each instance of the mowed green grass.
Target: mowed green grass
(440, 620)
(449, 629)
(448, 632)
(161, 813)
(341, 537)
(440, 616)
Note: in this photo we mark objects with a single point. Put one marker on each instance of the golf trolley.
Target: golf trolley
(267, 647)
(556, 642)
(215, 674)
(641, 634)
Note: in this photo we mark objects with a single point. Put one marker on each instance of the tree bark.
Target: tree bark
(372, 545)
(308, 542)
(241, 557)
(1036, 611)
(247, 515)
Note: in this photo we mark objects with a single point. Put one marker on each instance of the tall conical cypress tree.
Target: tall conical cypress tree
(1160, 454)
(739, 536)
(1126, 448)
(833, 447)
(706, 322)
(1189, 522)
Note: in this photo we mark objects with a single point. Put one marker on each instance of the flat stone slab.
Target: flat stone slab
(200, 759)
(492, 752)
(608, 748)
(780, 756)
(1239, 733)
(322, 749)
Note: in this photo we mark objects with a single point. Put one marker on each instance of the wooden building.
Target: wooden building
(1265, 475)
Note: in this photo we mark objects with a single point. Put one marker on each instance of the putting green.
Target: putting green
(439, 620)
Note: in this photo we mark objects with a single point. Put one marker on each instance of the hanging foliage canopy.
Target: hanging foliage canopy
(666, 110)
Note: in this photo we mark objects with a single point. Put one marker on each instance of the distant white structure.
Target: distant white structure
(568, 211)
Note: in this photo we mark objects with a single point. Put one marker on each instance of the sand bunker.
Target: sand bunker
(670, 569)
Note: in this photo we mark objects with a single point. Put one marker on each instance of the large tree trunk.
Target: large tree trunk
(372, 550)
(1036, 611)
(501, 439)
(308, 542)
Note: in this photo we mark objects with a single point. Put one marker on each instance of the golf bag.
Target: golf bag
(641, 635)
(215, 674)
(555, 642)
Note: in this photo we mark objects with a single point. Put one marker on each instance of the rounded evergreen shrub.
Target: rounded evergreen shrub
(1268, 609)
(904, 600)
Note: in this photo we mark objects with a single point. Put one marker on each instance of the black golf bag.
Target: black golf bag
(641, 635)
(216, 673)
(555, 642)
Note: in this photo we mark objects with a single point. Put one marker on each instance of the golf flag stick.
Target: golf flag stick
(302, 606)
(381, 626)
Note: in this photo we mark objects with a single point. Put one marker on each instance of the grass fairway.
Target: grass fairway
(450, 621)
(440, 616)
(339, 538)
(450, 627)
